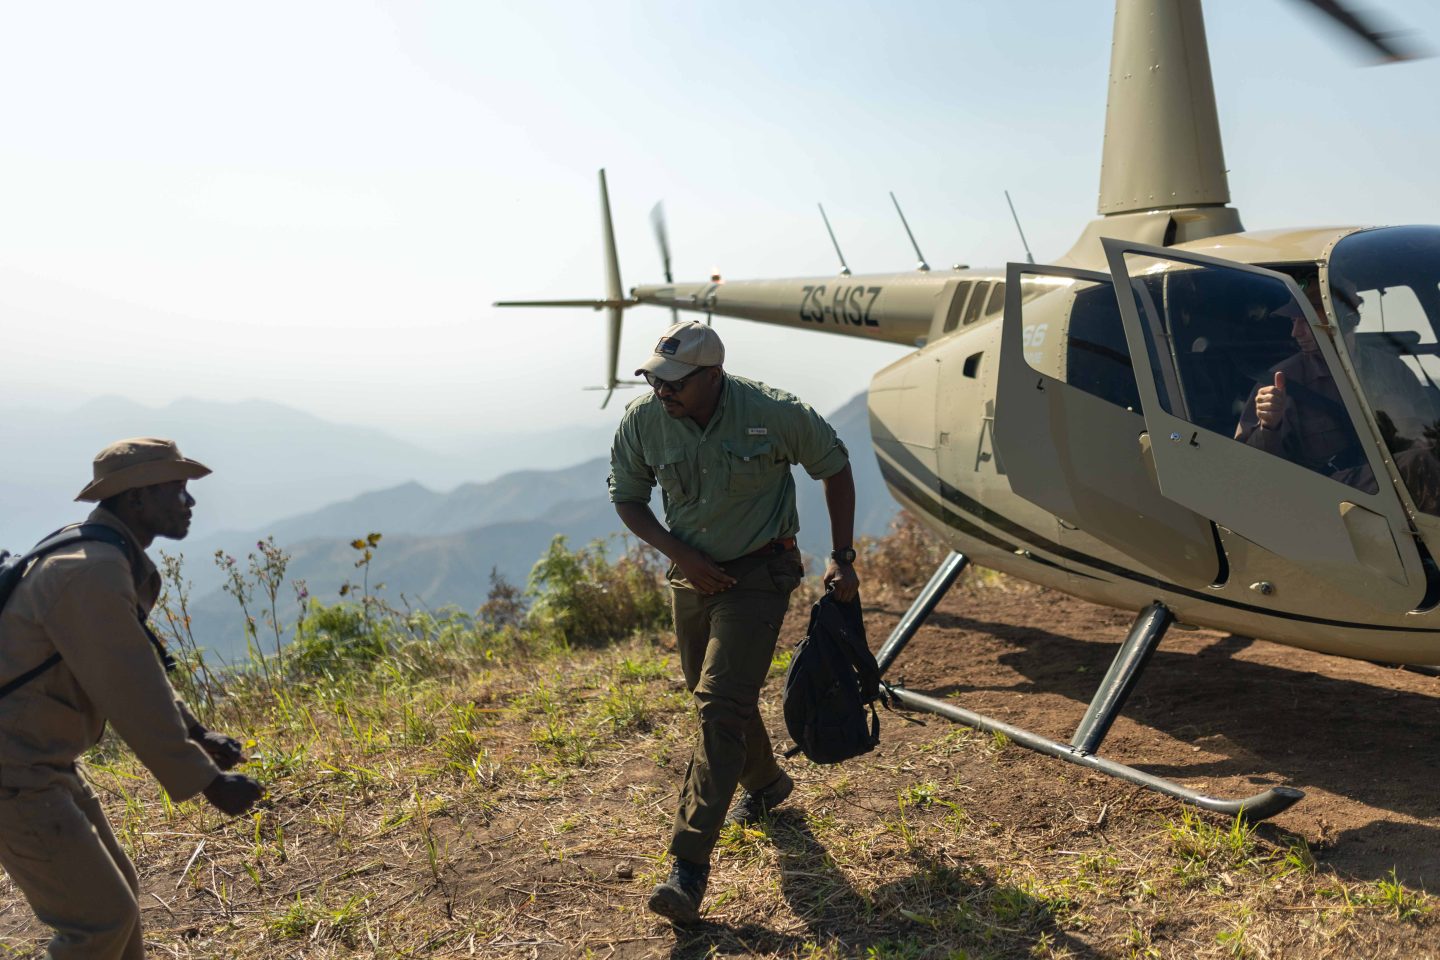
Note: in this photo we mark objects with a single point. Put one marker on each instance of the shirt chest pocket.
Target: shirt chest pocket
(675, 475)
(753, 466)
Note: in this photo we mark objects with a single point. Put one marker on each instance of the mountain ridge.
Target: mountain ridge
(430, 558)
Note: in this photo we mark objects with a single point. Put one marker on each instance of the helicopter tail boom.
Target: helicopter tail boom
(893, 308)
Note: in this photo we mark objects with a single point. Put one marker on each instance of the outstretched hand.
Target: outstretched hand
(233, 793)
(225, 751)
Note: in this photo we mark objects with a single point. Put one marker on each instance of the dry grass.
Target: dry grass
(502, 800)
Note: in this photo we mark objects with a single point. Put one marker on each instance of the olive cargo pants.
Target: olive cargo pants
(57, 847)
(726, 642)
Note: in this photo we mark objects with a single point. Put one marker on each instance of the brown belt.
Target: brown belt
(773, 547)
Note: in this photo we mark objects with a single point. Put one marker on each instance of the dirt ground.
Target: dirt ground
(1224, 714)
(1228, 715)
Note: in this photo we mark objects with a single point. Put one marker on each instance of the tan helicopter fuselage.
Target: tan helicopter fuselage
(932, 416)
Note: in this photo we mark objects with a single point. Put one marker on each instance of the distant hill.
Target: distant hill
(439, 547)
(415, 510)
(270, 461)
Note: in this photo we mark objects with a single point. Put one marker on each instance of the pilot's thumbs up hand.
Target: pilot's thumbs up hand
(1270, 403)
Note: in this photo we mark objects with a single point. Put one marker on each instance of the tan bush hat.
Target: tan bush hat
(138, 462)
(683, 349)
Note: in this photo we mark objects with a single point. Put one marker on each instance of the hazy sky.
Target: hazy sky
(315, 203)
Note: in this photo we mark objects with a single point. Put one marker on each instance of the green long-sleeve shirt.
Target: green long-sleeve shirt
(727, 489)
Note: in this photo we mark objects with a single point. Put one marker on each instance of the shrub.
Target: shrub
(331, 638)
(902, 561)
(581, 598)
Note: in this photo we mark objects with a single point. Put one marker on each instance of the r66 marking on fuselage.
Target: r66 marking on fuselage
(1033, 335)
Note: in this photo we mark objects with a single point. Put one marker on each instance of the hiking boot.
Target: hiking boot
(754, 807)
(678, 898)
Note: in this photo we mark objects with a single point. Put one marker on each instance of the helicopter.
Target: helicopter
(1205, 424)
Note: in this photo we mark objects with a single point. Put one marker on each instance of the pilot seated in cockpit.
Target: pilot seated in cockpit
(1297, 413)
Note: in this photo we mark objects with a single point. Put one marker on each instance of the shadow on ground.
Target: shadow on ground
(932, 905)
(1367, 734)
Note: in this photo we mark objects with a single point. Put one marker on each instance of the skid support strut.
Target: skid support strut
(1130, 660)
(1120, 679)
(940, 583)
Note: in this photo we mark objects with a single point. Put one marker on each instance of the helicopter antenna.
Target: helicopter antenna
(844, 267)
(922, 265)
(662, 237)
(1021, 230)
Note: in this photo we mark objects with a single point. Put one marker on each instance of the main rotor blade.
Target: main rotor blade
(1383, 43)
(662, 237)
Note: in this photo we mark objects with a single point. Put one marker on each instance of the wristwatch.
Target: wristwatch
(843, 557)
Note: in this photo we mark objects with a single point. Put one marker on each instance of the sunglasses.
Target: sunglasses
(675, 386)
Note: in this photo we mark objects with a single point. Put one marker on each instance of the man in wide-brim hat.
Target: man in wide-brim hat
(80, 613)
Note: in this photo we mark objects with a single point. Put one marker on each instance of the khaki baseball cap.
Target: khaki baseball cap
(685, 348)
(138, 462)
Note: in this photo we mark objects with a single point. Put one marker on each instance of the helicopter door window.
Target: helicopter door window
(977, 300)
(1097, 359)
(957, 304)
(1092, 354)
(1233, 353)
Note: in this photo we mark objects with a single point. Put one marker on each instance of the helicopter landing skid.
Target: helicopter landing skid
(1130, 660)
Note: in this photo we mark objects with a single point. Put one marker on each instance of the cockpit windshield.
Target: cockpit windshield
(1385, 293)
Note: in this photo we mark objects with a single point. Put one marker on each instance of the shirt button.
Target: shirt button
(702, 499)
(703, 529)
(704, 470)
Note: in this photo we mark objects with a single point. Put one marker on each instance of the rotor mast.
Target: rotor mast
(1162, 174)
(1162, 133)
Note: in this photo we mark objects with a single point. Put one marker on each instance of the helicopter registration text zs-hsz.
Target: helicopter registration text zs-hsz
(843, 304)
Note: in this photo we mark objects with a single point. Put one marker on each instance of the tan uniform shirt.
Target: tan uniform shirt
(727, 488)
(81, 602)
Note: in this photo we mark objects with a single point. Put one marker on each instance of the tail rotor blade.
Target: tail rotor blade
(612, 261)
(612, 350)
(613, 291)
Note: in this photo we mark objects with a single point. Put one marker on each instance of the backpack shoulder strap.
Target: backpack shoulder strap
(75, 533)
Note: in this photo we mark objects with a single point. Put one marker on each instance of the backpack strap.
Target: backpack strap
(29, 675)
(64, 537)
(851, 627)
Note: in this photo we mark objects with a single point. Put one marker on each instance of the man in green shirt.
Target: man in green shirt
(721, 448)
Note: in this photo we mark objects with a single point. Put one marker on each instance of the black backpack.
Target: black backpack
(832, 678)
(13, 568)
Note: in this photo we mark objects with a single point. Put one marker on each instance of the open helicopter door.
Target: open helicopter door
(1068, 426)
(1189, 321)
